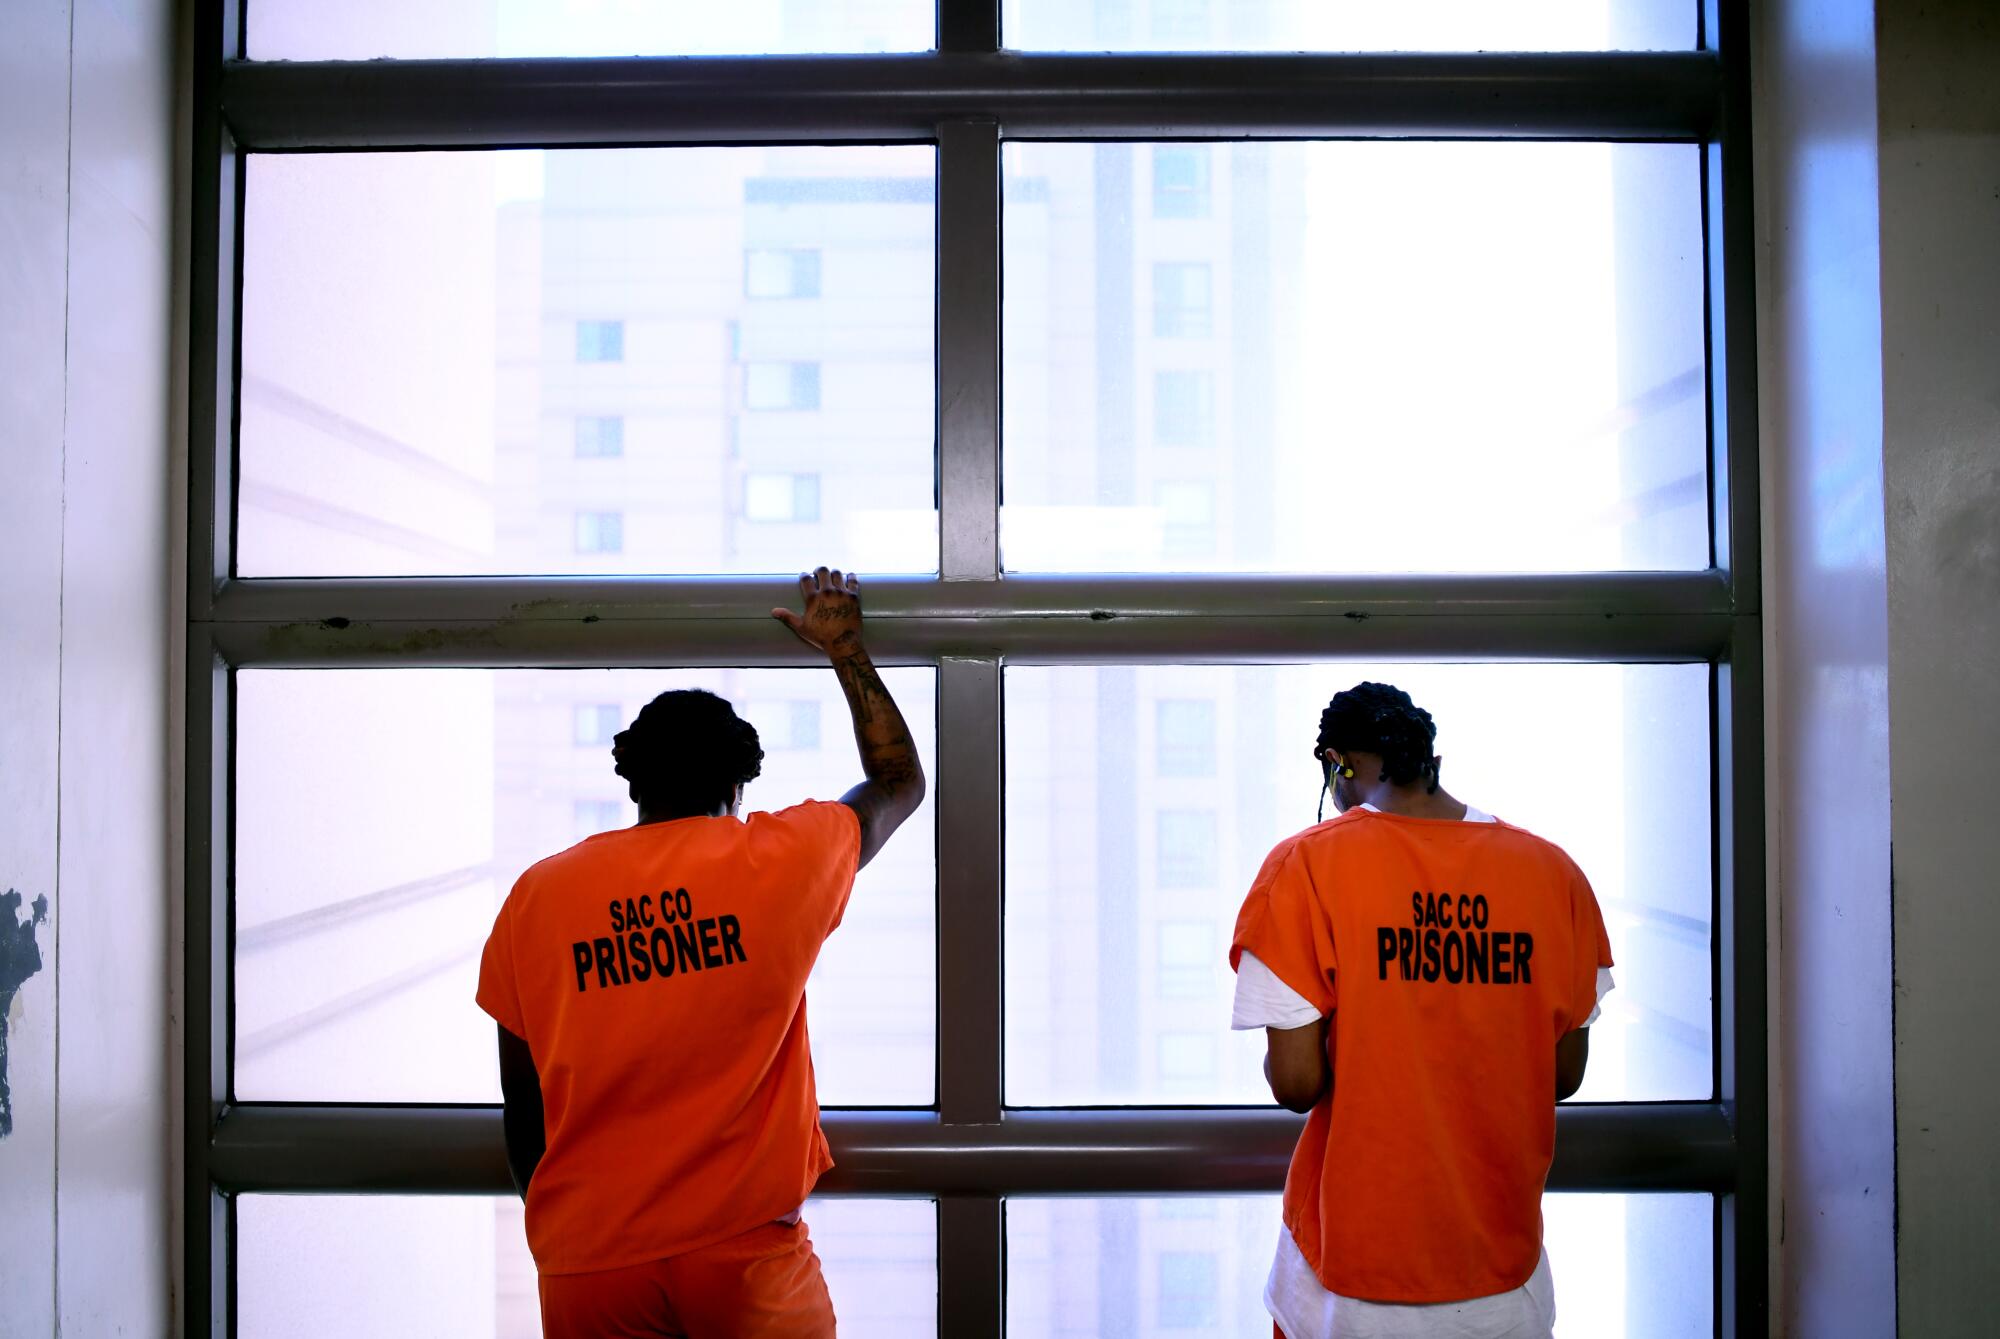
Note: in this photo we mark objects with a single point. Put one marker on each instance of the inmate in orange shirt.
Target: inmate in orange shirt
(658, 975)
(1452, 956)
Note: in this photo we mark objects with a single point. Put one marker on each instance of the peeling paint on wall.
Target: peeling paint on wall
(20, 958)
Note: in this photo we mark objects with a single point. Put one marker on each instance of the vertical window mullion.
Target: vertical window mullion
(968, 351)
(969, 928)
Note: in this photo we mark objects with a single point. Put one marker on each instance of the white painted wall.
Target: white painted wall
(87, 226)
(1939, 99)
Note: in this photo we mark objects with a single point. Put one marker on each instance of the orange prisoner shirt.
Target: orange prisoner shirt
(1452, 956)
(658, 975)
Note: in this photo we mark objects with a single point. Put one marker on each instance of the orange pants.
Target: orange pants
(763, 1284)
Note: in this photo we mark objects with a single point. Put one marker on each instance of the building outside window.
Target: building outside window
(1185, 846)
(781, 386)
(1187, 959)
(1180, 181)
(1182, 300)
(600, 341)
(1184, 737)
(596, 722)
(1187, 515)
(1184, 408)
(790, 273)
(600, 435)
(780, 498)
(594, 816)
(600, 532)
(1189, 1283)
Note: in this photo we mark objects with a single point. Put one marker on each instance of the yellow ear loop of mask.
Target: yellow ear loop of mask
(1326, 784)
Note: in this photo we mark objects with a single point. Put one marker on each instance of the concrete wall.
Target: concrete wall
(1938, 94)
(86, 218)
(1826, 646)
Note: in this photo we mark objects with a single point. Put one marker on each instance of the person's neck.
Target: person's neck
(1416, 802)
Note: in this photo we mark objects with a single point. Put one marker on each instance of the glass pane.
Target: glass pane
(341, 1266)
(365, 29)
(1354, 357)
(1142, 800)
(1638, 1266)
(578, 360)
(1348, 25)
(382, 815)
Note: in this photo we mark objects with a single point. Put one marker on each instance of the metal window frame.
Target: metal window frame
(966, 97)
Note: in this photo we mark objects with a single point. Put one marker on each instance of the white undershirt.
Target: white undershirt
(1296, 1298)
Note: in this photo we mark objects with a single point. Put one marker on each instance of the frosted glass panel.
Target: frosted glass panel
(1348, 25)
(1142, 800)
(1354, 357)
(382, 815)
(363, 1266)
(583, 361)
(365, 29)
(1625, 1266)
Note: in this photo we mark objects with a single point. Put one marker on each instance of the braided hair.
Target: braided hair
(685, 753)
(1380, 718)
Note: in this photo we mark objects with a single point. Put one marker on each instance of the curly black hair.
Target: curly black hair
(686, 752)
(1380, 718)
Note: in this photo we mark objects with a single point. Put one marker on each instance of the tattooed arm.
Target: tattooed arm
(894, 786)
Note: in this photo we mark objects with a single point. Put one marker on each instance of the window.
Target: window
(781, 274)
(1415, 25)
(353, 919)
(594, 816)
(600, 435)
(1180, 181)
(304, 30)
(781, 386)
(600, 341)
(600, 532)
(1182, 306)
(1184, 737)
(1186, 848)
(597, 722)
(1622, 1264)
(1187, 517)
(412, 357)
(1188, 1286)
(1194, 337)
(1555, 288)
(1184, 408)
(313, 1266)
(1071, 743)
(781, 497)
(785, 725)
(1187, 1060)
(1187, 955)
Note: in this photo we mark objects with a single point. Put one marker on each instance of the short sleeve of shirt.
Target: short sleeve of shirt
(499, 990)
(1590, 977)
(1281, 924)
(823, 837)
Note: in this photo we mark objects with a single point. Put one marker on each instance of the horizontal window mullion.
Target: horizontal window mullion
(286, 105)
(458, 1150)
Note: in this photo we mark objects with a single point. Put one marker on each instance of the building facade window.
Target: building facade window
(781, 498)
(1187, 517)
(595, 816)
(1187, 959)
(599, 435)
(781, 386)
(600, 532)
(1185, 847)
(600, 341)
(1182, 301)
(1180, 181)
(1184, 737)
(1184, 408)
(788, 273)
(786, 726)
(595, 723)
(1189, 1284)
